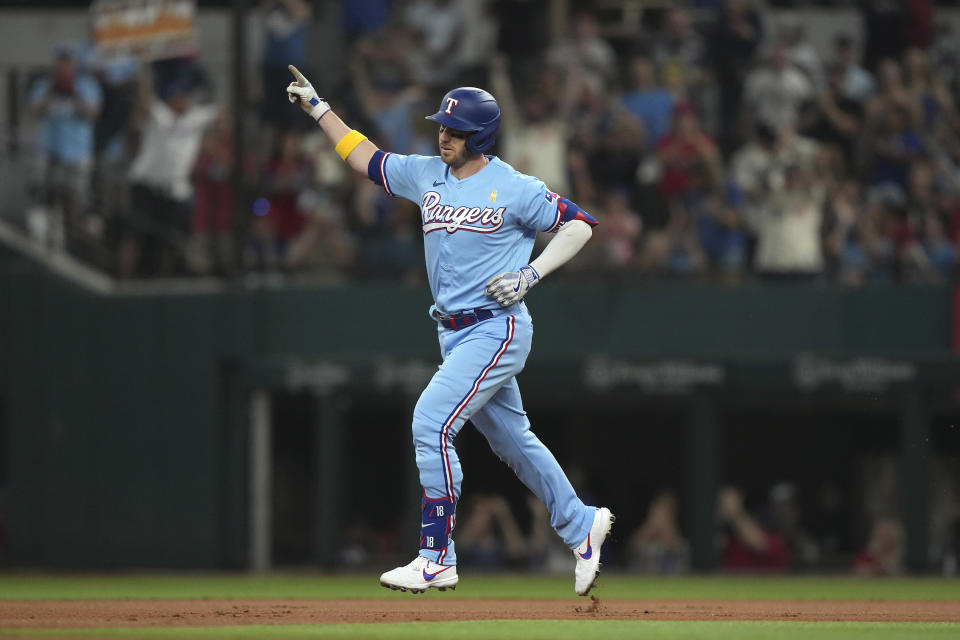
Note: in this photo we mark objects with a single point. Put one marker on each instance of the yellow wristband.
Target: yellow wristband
(348, 143)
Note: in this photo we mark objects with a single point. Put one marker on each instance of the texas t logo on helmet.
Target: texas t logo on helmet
(477, 113)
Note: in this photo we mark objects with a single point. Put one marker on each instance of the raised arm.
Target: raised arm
(351, 145)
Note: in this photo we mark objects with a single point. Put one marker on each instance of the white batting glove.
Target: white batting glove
(303, 92)
(510, 287)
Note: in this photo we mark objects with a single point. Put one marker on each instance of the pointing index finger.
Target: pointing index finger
(299, 76)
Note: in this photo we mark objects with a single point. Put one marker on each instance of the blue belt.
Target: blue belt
(464, 320)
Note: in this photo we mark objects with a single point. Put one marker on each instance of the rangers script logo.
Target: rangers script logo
(437, 216)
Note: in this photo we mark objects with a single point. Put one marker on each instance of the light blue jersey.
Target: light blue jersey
(473, 229)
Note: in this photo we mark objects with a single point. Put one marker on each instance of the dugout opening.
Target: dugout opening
(323, 471)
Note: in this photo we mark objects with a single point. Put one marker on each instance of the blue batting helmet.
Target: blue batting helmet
(470, 109)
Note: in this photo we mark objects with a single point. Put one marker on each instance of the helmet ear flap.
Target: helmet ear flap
(483, 140)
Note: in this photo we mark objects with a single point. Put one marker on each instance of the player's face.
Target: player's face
(453, 147)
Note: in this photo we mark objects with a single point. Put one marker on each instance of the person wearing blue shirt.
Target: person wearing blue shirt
(66, 103)
(479, 218)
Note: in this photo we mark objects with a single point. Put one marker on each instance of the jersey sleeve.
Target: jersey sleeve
(399, 175)
(538, 210)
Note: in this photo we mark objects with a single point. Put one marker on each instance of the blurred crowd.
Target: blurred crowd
(710, 142)
(784, 532)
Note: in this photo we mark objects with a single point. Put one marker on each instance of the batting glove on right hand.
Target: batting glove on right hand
(510, 287)
(303, 92)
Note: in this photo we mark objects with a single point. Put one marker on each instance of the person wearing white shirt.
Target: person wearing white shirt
(161, 190)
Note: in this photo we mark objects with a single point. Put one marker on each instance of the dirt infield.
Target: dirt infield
(166, 613)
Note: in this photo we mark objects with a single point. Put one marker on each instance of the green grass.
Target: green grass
(541, 630)
(150, 586)
(27, 586)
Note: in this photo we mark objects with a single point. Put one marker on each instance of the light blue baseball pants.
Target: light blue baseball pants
(476, 382)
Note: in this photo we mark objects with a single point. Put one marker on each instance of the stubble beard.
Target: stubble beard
(459, 159)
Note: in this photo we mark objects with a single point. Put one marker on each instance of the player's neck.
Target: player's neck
(471, 166)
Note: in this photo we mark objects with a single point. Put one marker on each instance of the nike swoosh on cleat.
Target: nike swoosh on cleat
(589, 552)
(437, 184)
(430, 576)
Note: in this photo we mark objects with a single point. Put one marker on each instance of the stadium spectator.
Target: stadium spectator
(717, 211)
(677, 45)
(800, 51)
(786, 520)
(608, 135)
(537, 144)
(834, 119)
(929, 95)
(929, 255)
(650, 103)
(118, 80)
(736, 36)
(883, 554)
(891, 93)
(683, 151)
(285, 25)
(620, 237)
(828, 524)
(776, 172)
(790, 217)
(439, 26)
(210, 249)
(893, 144)
(678, 52)
(775, 91)
(746, 544)
(857, 81)
(279, 216)
(161, 191)
(944, 56)
(845, 256)
(585, 51)
(932, 257)
(658, 546)
(386, 97)
(65, 103)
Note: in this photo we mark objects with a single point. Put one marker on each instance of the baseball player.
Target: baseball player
(480, 218)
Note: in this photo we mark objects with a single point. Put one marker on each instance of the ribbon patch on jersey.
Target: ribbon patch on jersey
(437, 522)
(435, 216)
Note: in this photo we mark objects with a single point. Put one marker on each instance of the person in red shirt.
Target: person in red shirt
(747, 546)
(280, 217)
(685, 147)
(883, 554)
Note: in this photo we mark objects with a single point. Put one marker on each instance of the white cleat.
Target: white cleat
(420, 575)
(588, 552)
